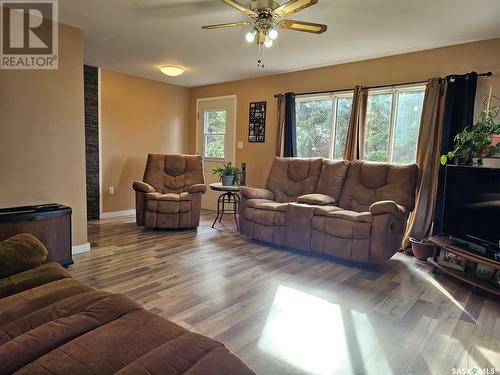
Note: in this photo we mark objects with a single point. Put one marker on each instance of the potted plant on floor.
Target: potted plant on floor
(228, 174)
(479, 141)
(422, 249)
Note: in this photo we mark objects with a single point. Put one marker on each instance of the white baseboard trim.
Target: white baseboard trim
(78, 249)
(111, 215)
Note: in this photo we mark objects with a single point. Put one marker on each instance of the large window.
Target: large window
(215, 134)
(392, 124)
(322, 123)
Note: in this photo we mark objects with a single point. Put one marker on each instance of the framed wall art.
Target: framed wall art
(257, 122)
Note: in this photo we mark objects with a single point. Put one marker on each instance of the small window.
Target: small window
(378, 124)
(215, 134)
(342, 117)
(314, 126)
(322, 123)
(393, 124)
(408, 115)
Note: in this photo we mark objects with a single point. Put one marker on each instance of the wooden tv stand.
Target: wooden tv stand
(445, 244)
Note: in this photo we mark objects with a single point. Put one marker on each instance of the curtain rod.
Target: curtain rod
(486, 74)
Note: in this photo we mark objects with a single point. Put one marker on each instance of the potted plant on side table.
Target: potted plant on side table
(228, 174)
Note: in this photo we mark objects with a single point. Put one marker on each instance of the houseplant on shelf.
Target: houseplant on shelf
(228, 174)
(422, 249)
(478, 141)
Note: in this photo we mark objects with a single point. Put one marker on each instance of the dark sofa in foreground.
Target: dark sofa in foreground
(53, 324)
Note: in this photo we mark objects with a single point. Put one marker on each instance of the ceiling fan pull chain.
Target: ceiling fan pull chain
(260, 62)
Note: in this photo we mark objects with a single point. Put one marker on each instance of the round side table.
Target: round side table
(230, 196)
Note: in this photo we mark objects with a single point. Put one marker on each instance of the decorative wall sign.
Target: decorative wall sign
(257, 122)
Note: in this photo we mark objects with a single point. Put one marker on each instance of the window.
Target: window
(322, 123)
(392, 124)
(215, 134)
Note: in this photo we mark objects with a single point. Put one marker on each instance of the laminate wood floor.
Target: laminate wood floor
(289, 313)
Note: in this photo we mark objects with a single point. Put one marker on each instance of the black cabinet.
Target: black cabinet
(50, 223)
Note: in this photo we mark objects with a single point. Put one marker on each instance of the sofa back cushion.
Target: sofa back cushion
(369, 182)
(331, 180)
(290, 178)
(173, 173)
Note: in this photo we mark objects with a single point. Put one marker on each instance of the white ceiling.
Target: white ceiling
(139, 36)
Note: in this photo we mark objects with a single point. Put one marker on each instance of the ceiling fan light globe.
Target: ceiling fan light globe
(273, 34)
(250, 37)
(268, 43)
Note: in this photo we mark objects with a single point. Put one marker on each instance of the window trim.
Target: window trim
(394, 91)
(205, 113)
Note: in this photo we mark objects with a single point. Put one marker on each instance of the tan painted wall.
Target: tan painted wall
(480, 56)
(42, 139)
(138, 116)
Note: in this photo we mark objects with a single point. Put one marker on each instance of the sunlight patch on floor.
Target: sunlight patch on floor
(443, 290)
(310, 333)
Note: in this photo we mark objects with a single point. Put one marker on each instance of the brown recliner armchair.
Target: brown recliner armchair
(170, 194)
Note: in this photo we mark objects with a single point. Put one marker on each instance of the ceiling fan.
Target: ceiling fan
(267, 15)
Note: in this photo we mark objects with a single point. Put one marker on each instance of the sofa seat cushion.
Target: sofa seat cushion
(147, 343)
(174, 197)
(265, 217)
(344, 224)
(316, 199)
(32, 278)
(364, 217)
(24, 303)
(167, 206)
(265, 204)
(326, 210)
(81, 302)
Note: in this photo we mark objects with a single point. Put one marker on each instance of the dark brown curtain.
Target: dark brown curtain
(458, 113)
(286, 141)
(280, 145)
(428, 154)
(355, 139)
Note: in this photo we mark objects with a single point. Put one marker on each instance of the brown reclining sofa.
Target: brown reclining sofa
(51, 324)
(352, 210)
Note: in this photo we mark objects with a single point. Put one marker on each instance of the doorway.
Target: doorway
(215, 139)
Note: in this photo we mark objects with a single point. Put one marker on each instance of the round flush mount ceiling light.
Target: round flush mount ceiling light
(172, 70)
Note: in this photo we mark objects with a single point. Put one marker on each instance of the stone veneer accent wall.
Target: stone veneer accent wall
(91, 83)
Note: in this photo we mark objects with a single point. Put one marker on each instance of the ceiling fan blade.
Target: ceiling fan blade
(229, 24)
(292, 6)
(308, 27)
(238, 6)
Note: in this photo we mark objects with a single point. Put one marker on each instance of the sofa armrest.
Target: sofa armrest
(143, 187)
(197, 188)
(388, 207)
(21, 253)
(255, 193)
(316, 199)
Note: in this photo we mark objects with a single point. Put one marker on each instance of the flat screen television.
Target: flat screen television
(472, 208)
